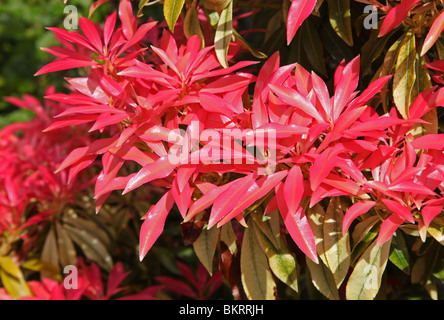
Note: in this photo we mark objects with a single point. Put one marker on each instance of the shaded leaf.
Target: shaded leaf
(323, 279)
(256, 277)
(90, 246)
(191, 24)
(205, 247)
(340, 19)
(313, 48)
(399, 252)
(50, 254)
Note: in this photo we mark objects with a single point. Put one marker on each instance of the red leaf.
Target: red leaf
(59, 65)
(95, 5)
(115, 278)
(411, 187)
(345, 86)
(399, 209)
(395, 16)
(206, 200)
(435, 31)
(388, 228)
(108, 28)
(373, 88)
(294, 189)
(90, 31)
(177, 286)
(256, 191)
(322, 94)
(355, 211)
(71, 122)
(138, 35)
(96, 147)
(228, 199)
(295, 99)
(323, 165)
(213, 103)
(298, 12)
(297, 226)
(429, 141)
(154, 223)
(126, 16)
(73, 37)
(156, 170)
(429, 212)
(182, 198)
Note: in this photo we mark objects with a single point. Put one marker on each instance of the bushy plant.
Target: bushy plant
(296, 144)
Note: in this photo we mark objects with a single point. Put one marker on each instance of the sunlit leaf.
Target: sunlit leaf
(224, 33)
(365, 280)
(404, 78)
(281, 261)
(12, 279)
(172, 10)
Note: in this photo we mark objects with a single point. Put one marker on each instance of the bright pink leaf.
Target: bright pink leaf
(297, 226)
(156, 170)
(295, 99)
(154, 223)
(388, 228)
(65, 64)
(294, 189)
(399, 209)
(429, 141)
(298, 12)
(227, 200)
(256, 191)
(395, 16)
(355, 211)
(435, 31)
(127, 18)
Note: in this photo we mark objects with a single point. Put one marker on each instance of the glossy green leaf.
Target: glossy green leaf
(246, 45)
(399, 252)
(363, 234)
